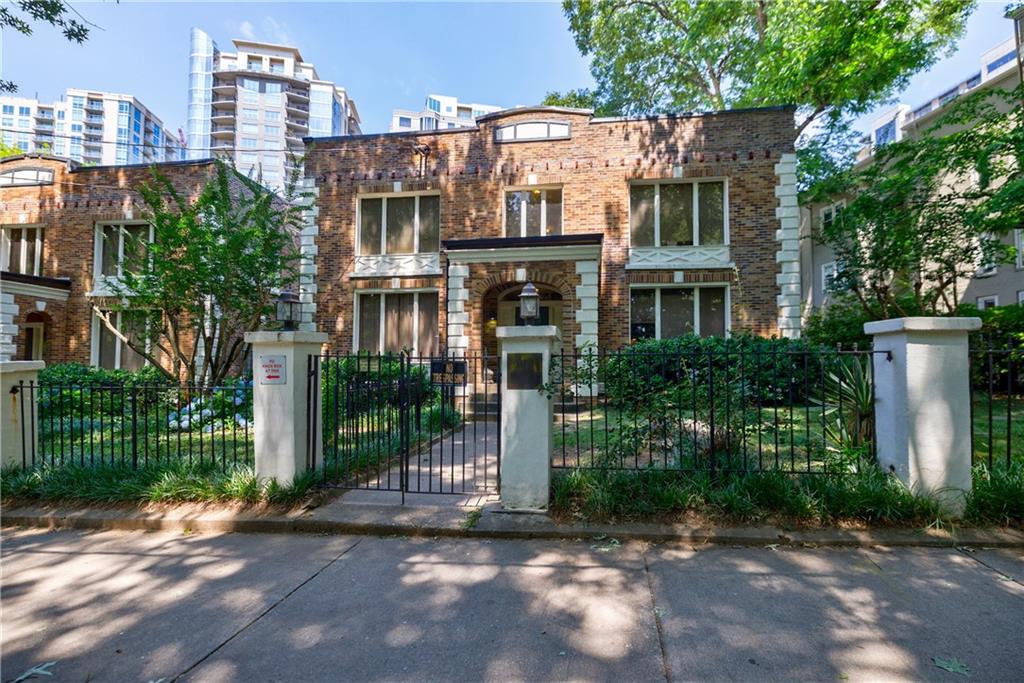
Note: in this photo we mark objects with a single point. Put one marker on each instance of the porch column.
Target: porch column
(586, 294)
(923, 404)
(526, 416)
(458, 316)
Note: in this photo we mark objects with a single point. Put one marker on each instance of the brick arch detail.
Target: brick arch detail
(482, 286)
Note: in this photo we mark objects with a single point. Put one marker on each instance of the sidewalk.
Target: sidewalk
(426, 515)
(135, 606)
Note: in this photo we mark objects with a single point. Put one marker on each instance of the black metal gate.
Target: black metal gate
(405, 423)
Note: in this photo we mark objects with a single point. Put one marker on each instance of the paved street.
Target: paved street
(133, 606)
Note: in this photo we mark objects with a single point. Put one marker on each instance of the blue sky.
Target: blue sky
(387, 55)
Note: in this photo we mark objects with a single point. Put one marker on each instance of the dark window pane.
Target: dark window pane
(554, 212)
(676, 312)
(712, 312)
(30, 250)
(107, 343)
(641, 215)
(513, 214)
(676, 214)
(641, 314)
(533, 208)
(369, 323)
(430, 223)
(135, 239)
(369, 226)
(401, 230)
(398, 322)
(16, 248)
(711, 207)
(427, 342)
(111, 236)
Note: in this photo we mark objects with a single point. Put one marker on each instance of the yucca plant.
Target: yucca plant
(847, 401)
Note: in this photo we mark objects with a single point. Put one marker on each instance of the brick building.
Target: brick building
(630, 228)
(64, 229)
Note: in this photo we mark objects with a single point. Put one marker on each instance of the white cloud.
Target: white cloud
(246, 30)
(276, 31)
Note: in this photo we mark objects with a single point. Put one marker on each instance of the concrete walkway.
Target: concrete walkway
(460, 470)
(137, 606)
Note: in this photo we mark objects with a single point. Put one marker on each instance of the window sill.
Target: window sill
(397, 265)
(679, 257)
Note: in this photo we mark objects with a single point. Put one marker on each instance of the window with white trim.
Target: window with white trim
(391, 322)
(675, 214)
(22, 250)
(987, 302)
(1018, 242)
(532, 130)
(666, 312)
(399, 224)
(120, 248)
(828, 275)
(27, 176)
(108, 351)
(533, 212)
(1020, 297)
(831, 213)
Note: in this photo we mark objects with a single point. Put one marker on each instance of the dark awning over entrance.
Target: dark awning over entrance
(571, 240)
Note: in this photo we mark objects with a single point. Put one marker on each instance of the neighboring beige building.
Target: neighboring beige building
(991, 286)
(89, 126)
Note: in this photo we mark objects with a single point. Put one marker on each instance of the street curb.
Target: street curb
(500, 526)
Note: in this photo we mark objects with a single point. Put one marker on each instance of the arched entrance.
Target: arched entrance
(36, 333)
(500, 307)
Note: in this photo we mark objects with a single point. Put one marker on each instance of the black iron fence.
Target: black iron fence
(398, 422)
(717, 411)
(997, 406)
(134, 425)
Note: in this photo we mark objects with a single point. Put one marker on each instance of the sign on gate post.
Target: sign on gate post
(448, 372)
(271, 369)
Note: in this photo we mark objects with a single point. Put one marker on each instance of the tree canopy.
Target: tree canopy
(20, 14)
(211, 271)
(831, 58)
(929, 211)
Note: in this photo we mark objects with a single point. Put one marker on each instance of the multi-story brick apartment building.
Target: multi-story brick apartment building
(630, 227)
(64, 229)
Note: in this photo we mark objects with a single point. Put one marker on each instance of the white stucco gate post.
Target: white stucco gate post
(281, 387)
(526, 416)
(923, 404)
(19, 417)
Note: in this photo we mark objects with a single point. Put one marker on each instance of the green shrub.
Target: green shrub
(997, 496)
(355, 384)
(867, 496)
(770, 370)
(174, 482)
(840, 323)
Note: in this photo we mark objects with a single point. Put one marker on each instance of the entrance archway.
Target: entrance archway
(500, 307)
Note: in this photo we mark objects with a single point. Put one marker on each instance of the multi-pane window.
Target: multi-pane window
(109, 351)
(532, 130)
(250, 128)
(251, 114)
(831, 213)
(22, 250)
(390, 322)
(271, 116)
(828, 275)
(27, 176)
(533, 212)
(122, 246)
(674, 214)
(666, 312)
(399, 224)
